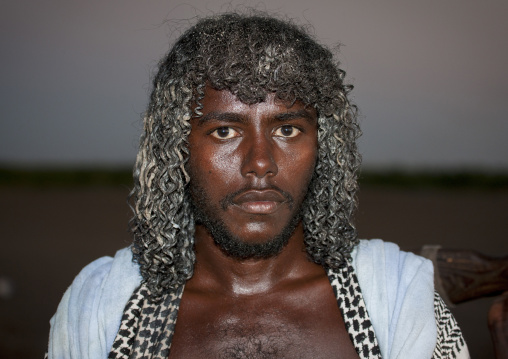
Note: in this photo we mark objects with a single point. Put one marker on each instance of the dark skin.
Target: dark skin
(282, 306)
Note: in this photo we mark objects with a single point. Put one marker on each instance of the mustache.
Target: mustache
(228, 199)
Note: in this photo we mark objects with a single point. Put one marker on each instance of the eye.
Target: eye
(287, 131)
(224, 133)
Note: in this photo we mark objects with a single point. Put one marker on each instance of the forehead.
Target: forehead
(221, 101)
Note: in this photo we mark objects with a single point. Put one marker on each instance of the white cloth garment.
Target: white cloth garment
(397, 288)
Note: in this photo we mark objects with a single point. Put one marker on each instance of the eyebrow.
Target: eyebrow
(221, 117)
(238, 118)
(287, 116)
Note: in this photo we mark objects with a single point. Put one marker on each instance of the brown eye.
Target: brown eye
(287, 131)
(224, 133)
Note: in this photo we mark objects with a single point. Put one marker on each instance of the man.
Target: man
(244, 194)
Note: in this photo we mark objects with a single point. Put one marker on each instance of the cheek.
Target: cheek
(223, 164)
(297, 171)
(299, 162)
(212, 167)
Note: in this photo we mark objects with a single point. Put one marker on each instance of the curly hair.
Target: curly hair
(250, 56)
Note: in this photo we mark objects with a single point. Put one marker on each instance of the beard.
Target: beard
(230, 244)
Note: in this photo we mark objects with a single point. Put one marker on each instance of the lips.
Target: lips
(259, 201)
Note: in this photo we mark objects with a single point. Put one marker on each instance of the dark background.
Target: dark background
(430, 80)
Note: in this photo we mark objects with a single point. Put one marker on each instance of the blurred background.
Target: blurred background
(430, 80)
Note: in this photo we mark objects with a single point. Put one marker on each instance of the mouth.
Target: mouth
(259, 201)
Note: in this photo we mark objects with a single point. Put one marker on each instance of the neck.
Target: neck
(216, 271)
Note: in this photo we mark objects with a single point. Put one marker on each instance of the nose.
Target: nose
(259, 158)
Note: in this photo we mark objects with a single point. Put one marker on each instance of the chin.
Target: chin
(238, 248)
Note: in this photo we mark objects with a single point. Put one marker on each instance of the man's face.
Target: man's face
(250, 168)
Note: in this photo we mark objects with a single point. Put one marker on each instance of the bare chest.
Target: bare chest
(271, 327)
